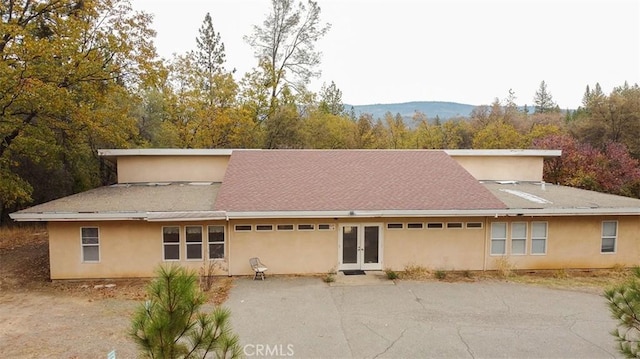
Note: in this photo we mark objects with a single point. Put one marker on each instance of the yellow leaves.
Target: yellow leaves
(498, 134)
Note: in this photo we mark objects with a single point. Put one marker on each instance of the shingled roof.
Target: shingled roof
(343, 180)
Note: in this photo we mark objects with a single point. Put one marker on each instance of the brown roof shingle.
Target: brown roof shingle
(326, 180)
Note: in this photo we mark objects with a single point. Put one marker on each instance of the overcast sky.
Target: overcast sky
(467, 51)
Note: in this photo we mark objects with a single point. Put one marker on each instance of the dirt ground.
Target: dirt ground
(68, 319)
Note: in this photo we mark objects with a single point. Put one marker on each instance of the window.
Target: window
(434, 225)
(609, 236)
(242, 227)
(194, 242)
(474, 225)
(324, 227)
(264, 227)
(538, 237)
(415, 225)
(498, 237)
(454, 225)
(171, 243)
(285, 227)
(306, 227)
(394, 226)
(518, 238)
(216, 242)
(90, 244)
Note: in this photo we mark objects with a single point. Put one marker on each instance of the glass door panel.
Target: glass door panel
(350, 244)
(371, 244)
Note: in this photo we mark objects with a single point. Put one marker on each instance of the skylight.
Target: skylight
(528, 196)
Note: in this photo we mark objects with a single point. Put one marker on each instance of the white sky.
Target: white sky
(467, 51)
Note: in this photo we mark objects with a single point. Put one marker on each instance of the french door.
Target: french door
(360, 246)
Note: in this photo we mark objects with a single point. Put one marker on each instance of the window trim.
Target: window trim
(83, 245)
(236, 228)
(546, 238)
(266, 228)
(461, 225)
(187, 243)
(438, 225)
(395, 224)
(481, 225)
(417, 226)
(492, 239)
(615, 238)
(164, 257)
(526, 236)
(223, 242)
(293, 227)
(328, 227)
(313, 227)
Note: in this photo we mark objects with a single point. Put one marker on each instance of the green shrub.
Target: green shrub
(624, 304)
(391, 274)
(440, 274)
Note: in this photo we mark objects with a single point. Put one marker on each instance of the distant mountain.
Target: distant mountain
(444, 110)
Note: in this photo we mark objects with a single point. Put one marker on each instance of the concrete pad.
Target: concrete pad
(418, 320)
(369, 278)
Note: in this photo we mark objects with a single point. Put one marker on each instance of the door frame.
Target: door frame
(360, 256)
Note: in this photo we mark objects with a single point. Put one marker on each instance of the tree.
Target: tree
(624, 305)
(210, 53)
(70, 74)
(170, 324)
(331, 100)
(285, 46)
(498, 134)
(543, 100)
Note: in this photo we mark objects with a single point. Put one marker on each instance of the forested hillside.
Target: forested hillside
(79, 75)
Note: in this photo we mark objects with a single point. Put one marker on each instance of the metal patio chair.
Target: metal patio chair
(258, 267)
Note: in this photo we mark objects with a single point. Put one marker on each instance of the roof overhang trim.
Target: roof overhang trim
(503, 153)
(222, 215)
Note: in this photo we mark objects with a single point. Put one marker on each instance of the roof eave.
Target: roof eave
(74, 216)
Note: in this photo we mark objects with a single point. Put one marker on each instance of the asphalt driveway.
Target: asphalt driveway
(306, 318)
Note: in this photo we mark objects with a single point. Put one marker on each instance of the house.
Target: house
(312, 211)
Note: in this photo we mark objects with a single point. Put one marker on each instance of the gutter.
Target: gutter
(223, 215)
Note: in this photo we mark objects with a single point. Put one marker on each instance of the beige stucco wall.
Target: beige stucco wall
(127, 249)
(445, 248)
(575, 243)
(285, 252)
(135, 169)
(134, 248)
(518, 168)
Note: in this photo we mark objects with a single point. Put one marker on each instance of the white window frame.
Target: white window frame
(513, 238)
(420, 224)
(313, 227)
(235, 228)
(499, 239)
(187, 244)
(88, 245)
(266, 228)
(545, 238)
(210, 242)
(614, 237)
(459, 225)
(164, 244)
(395, 224)
(285, 229)
(331, 227)
(439, 225)
(479, 227)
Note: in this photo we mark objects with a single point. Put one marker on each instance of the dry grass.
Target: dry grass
(17, 236)
(504, 267)
(415, 272)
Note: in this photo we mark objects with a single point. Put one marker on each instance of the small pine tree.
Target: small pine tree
(170, 324)
(624, 304)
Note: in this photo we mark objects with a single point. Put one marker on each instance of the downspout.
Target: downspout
(486, 240)
(228, 225)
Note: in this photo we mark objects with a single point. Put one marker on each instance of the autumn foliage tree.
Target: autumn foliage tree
(610, 170)
(69, 71)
